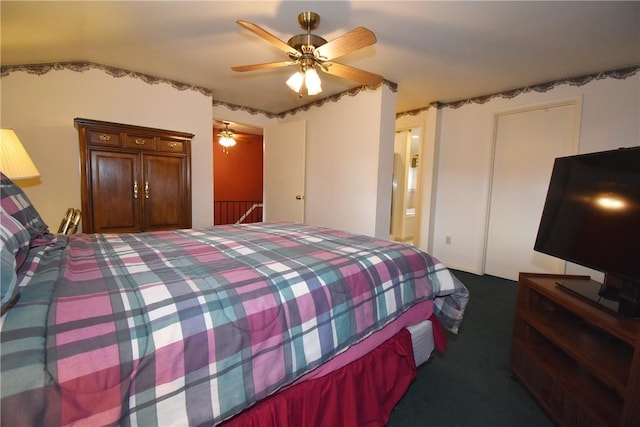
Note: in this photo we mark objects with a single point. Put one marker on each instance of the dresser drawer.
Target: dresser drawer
(170, 146)
(105, 139)
(140, 142)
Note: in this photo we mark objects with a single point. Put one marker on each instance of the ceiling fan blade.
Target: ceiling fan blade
(351, 73)
(260, 32)
(348, 42)
(263, 66)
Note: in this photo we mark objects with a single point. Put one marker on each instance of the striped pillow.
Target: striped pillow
(15, 245)
(16, 203)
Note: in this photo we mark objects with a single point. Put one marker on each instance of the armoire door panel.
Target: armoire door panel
(164, 192)
(116, 192)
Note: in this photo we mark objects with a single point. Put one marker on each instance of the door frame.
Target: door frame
(418, 128)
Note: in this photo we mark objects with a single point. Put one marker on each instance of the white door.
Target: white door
(284, 172)
(527, 142)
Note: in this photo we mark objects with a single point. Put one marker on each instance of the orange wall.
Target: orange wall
(237, 175)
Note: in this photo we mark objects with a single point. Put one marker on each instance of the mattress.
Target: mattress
(422, 341)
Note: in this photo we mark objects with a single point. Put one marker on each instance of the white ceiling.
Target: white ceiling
(434, 51)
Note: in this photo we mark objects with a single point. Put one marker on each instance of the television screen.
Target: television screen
(591, 215)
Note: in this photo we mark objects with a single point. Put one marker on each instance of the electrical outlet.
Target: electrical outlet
(447, 240)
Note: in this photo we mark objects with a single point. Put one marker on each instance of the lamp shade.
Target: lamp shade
(14, 160)
(295, 81)
(308, 78)
(312, 80)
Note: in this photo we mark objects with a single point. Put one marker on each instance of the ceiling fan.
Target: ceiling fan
(311, 52)
(229, 137)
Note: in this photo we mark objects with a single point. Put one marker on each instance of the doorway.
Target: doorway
(238, 176)
(404, 225)
(261, 177)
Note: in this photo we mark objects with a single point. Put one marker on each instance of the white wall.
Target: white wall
(348, 142)
(387, 130)
(349, 157)
(349, 146)
(610, 119)
(41, 109)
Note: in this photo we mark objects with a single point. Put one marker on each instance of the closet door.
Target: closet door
(527, 143)
(116, 192)
(165, 193)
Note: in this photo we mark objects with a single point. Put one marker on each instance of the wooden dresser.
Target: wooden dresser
(133, 178)
(580, 361)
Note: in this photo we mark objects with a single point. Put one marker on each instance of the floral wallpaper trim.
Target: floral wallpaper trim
(620, 73)
(252, 111)
(78, 66)
(332, 98)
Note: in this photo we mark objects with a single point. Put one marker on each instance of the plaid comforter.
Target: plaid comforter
(193, 326)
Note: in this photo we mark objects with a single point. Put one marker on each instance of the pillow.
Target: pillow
(15, 241)
(16, 203)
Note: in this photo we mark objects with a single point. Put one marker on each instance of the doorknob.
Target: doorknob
(299, 197)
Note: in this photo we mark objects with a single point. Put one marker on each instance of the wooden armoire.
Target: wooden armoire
(133, 178)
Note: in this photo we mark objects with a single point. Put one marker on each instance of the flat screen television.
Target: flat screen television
(591, 217)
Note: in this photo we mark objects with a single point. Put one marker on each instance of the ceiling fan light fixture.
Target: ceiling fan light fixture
(227, 141)
(308, 79)
(226, 138)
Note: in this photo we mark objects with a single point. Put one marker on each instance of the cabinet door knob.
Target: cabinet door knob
(146, 189)
(135, 189)
(299, 197)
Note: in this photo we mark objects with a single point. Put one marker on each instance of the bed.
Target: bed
(231, 325)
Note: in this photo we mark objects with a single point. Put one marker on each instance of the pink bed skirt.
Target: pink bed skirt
(362, 393)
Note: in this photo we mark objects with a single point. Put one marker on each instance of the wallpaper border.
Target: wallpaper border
(333, 98)
(620, 74)
(80, 66)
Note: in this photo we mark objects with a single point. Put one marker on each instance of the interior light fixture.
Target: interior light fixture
(226, 138)
(305, 82)
(14, 160)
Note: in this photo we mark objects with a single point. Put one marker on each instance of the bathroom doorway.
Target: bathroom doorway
(405, 186)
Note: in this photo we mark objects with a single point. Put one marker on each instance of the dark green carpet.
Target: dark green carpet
(470, 384)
